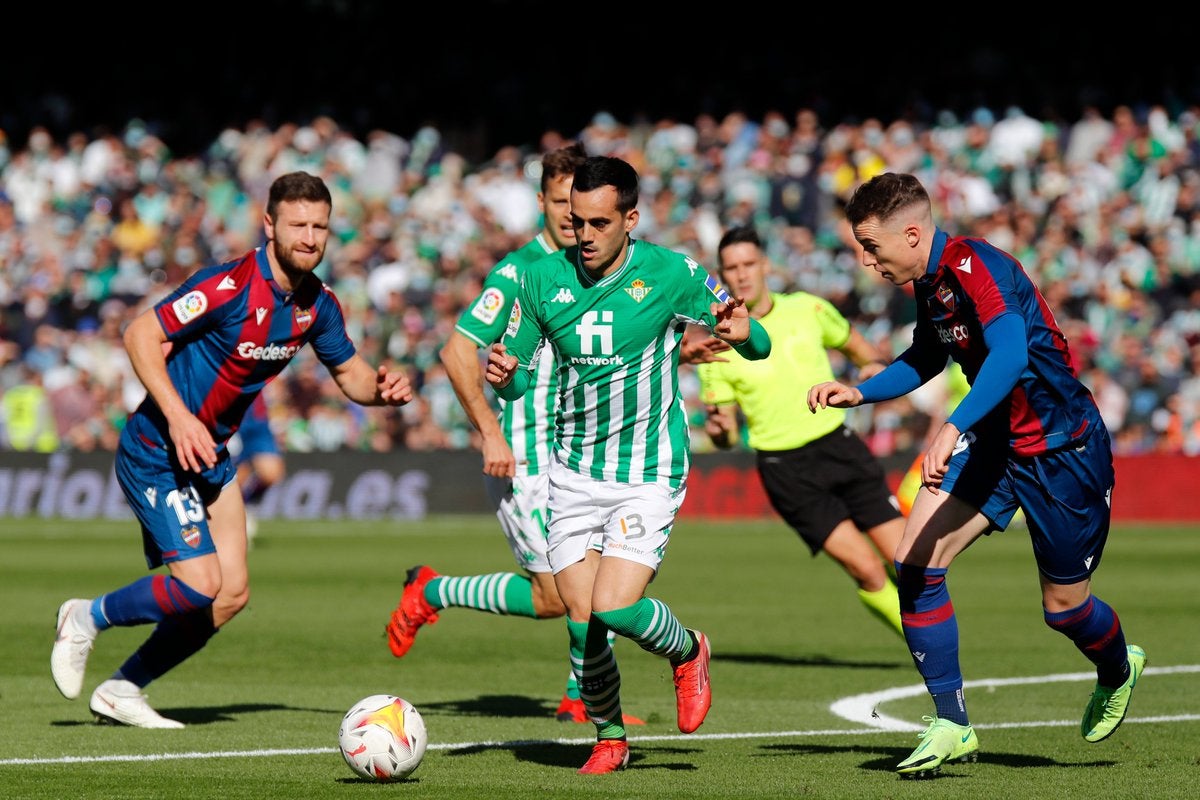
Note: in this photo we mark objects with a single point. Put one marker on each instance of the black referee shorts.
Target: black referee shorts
(817, 486)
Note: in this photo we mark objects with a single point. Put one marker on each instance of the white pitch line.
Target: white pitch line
(848, 705)
(863, 708)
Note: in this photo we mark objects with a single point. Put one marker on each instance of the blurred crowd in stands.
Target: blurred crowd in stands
(1103, 211)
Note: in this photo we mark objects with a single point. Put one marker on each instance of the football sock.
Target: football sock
(174, 640)
(884, 605)
(652, 625)
(147, 599)
(599, 679)
(1095, 629)
(931, 630)
(572, 690)
(499, 593)
(951, 706)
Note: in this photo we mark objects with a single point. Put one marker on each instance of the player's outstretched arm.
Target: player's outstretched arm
(460, 357)
(702, 349)
(147, 346)
(371, 387)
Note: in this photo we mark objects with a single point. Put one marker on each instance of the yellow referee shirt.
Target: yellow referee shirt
(772, 392)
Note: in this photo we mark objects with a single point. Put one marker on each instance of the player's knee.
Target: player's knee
(548, 607)
(228, 605)
(546, 602)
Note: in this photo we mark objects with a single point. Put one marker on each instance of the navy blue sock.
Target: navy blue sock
(1096, 630)
(174, 640)
(931, 630)
(147, 599)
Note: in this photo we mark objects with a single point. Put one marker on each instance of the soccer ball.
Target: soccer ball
(383, 738)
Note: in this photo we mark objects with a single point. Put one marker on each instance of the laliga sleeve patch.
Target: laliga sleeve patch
(488, 306)
(190, 306)
(514, 319)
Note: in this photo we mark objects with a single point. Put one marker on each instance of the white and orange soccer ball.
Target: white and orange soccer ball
(383, 738)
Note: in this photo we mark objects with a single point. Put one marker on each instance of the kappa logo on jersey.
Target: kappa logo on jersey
(691, 265)
(303, 316)
(259, 313)
(564, 296)
(965, 265)
(514, 319)
(190, 535)
(717, 289)
(965, 440)
(488, 307)
(509, 271)
(190, 306)
(945, 296)
(226, 284)
(638, 290)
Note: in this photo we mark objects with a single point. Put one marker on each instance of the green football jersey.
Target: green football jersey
(528, 423)
(616, 342)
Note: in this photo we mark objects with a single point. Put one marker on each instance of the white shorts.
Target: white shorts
(520, 504)
(624, 520)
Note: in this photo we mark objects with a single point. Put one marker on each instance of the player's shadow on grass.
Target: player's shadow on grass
(774, 659)
(573, 756)
(204, 715)
(886, 758)
(492, 705)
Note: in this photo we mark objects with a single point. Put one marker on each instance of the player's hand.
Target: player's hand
(716, 424)
(194, 445)
(832, 394)
(702, 350)
(498, 458)
(500, 366)
(937, 457)
(732, 320)
(392, 387)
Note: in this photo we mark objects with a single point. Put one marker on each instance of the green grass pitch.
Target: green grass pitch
(263, 701)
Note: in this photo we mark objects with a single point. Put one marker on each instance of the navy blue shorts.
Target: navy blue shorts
(1066, 496)
(170, 502)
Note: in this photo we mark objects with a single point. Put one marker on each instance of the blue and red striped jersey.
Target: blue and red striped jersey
(233, 329)
(969, 283)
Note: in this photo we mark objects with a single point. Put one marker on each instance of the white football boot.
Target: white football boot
(72, 643)
(122, 702)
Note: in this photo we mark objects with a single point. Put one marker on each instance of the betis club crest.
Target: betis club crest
(638, 290)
